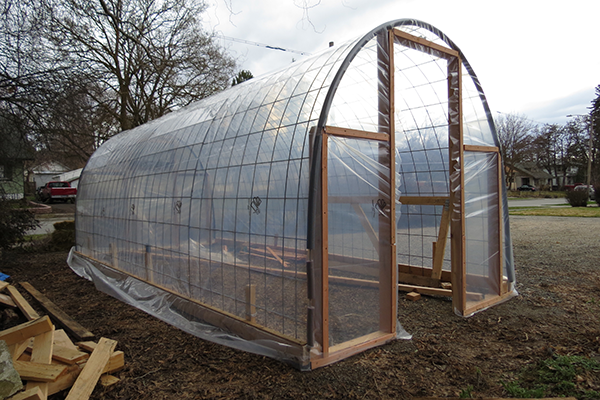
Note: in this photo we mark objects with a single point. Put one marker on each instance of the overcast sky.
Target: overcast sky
(539, 58)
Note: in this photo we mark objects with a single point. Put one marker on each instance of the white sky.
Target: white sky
(539, 58)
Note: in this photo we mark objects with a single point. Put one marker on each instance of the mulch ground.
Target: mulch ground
(556, 313)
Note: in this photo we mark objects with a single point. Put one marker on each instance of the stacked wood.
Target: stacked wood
(47, 359)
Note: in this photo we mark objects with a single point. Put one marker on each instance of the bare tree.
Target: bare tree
(143, 58)
(514, 135)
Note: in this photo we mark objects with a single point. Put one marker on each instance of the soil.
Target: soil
(556, 313)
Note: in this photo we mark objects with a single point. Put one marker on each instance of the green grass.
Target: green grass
(553, 377)
(545, 194)
(588, 212)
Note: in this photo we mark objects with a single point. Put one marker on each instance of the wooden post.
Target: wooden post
(148, 264)
(114, 254)
(251, 303)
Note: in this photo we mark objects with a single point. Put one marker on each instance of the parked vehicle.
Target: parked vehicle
(590, 190)
(57, 191)
(526, 188)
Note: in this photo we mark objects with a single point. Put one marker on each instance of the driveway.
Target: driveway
(536, 202)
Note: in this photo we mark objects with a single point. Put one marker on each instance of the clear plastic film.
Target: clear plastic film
(210, 217)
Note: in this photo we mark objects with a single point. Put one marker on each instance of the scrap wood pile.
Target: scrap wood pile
(45, 358)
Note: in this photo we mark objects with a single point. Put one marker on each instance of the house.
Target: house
(13, 154)
(531, 174)
(46, 172)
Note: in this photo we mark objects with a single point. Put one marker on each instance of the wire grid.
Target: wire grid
(209, 200)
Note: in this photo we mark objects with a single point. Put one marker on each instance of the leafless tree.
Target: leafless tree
(143, 58)
(514, 135)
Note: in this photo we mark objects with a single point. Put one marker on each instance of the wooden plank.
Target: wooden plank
(115, 363)
(68, 356)
(422, 271)
(425, 290)
(424, 200)
(426, 43)
(66, 380)
(24, 331)
(17, 349)
(23, 305)
(418, 280)
(481, 149)
(351, 347)
(31, 394)
(3, 285)
(42, 353)
(85, 383)
(7, 301)
(108, 380)
(356, 134)
(413, 296)
(29, 370)
(62, 339)
(72, 326)
(88, 346)
(283, 263)
(440, 247)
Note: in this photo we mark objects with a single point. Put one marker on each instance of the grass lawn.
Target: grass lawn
(589, 211)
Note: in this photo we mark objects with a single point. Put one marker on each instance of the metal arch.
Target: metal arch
(316, 161)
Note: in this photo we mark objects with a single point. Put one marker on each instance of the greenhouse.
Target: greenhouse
(284, 215)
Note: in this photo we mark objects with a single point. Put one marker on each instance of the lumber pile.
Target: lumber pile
(46, 358)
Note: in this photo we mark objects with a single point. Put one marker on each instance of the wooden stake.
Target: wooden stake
(251, 303)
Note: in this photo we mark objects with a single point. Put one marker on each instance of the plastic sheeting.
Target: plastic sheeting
(207, 213)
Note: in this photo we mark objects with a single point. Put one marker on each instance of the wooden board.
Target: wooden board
(3, 285)
(66, 380)
(108, 380)
(31, 394)
(17, 349)
(24, 331)
(72, 326)
(23, 305)
(7, 301)
(42, 353)
(85, 383)
(40, 372)
(62, 339)
(68, 356)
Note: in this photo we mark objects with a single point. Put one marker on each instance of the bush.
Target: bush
(577, 198)
(15, 221)
(63, 237)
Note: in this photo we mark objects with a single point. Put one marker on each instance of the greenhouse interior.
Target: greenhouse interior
(284, 215)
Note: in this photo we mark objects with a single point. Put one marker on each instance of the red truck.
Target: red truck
(57, 191)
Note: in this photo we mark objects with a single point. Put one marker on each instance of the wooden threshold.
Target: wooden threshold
(354, 346)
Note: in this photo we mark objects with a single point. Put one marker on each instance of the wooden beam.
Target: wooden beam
(283, 263)
(7, 301)
(444, 52)
(23, 305)
(31, 394)
(41, 372)
(78, 331)
(324, 247)
(353, 133)
(418, 280)
(3, 285)
(481, 149)
(24, 331)
(85, 383)
(43, 345)
(66, 380)
(62, 339)
(17, 349)
(440, 247)
(67, 355)
(424, 200)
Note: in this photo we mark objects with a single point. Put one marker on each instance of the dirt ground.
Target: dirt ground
(556, 313)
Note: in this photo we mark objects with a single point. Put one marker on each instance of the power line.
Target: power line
(304, 53)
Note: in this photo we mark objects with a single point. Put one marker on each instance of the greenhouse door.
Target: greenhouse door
(359, 244)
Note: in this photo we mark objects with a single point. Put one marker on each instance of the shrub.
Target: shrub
(63, 238)
(14, 222)
(577, 198)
